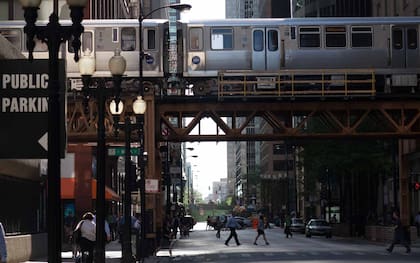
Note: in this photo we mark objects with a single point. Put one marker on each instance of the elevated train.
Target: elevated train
(257, 57)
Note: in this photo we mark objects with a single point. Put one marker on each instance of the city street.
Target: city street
(203, 246)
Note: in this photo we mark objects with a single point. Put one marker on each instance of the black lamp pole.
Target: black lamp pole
(143, 242)
(127, 253)
(101, 93)
(53, 34)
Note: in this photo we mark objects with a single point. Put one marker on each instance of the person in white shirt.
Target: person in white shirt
(88, 235)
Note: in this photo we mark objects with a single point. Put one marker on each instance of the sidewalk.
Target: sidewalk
(113, 254)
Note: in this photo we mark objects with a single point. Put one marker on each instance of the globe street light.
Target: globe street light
(139, 108)
(117, 66)
(53, 34)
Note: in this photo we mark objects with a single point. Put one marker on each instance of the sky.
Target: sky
(211, 162)
(204, 9)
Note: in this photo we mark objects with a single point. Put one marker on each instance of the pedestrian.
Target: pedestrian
(260, 231)
(417, 221)
(112, 221)
(287, 224)
(87, 236)
(175, 226)
(334, 219)
(107, 229)
(3, 249)
(399, 234)
(218, 226)
(232, 224)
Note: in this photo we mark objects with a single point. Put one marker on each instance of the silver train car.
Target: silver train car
(102, 38)
(259, 55)
(254, 57)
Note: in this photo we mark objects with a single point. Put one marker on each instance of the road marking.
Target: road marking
(314, 253)
(359, 253)
(337, 253)
(246, 255)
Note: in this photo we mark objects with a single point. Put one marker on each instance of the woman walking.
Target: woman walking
(260, 231)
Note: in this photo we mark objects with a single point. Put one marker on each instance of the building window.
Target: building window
(309, 37)
(128, 39)
(196, 38)
(222, 38)
(361, 37)
(335, 36)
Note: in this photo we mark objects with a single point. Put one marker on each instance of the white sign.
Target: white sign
(152, 186)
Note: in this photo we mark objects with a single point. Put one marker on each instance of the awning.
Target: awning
(68, 190)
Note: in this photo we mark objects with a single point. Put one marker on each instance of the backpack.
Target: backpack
(77, 233)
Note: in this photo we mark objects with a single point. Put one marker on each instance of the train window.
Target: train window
(85, 38)
(412, 38)
(309, 37)
(361, 37)
(13, 36)
(293, 32)
(222, 38)
(397, 38)
(258, 40)
(40, 46)
(115, 35)
(273, 40)
(128, 39)
(196, 38)
(87, 42)
(151, 39)
(335, 36)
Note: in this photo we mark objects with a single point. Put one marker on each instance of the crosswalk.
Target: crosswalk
(288, 255)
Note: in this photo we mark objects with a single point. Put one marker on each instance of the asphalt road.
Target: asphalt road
(203, 246)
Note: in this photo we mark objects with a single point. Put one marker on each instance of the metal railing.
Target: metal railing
(297, 83)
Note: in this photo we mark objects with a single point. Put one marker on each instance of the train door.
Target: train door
(405, 47)
(265, 49)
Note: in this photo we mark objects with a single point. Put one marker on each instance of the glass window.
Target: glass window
(196, 38)
(397, 38)
(87, 42)
(14, 36)
(151, 39)
(335, 36)
(258, 40)
(128, 39)
(361, 37)
(309, 37)
(85, 39)
(273, 40)
(115, 35)
(222, 38)
(412, 38)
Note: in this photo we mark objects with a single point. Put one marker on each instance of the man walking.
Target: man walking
(399, 234)
(232, 224)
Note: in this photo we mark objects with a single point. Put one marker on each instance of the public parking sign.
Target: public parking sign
(24, 109)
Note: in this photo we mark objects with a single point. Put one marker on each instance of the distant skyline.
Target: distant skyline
(211, 163)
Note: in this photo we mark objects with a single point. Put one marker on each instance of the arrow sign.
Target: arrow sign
(24, 109)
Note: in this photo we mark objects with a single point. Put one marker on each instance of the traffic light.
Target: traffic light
(416, 186)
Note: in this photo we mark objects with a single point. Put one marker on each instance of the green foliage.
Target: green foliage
(342, 158)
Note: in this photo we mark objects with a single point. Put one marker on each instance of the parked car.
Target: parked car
(297, 225)
(243, 221)
(318, 227)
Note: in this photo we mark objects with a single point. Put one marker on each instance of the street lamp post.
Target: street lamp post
(87, 68)
(179, 7)
(53, 34)
(139, 108)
